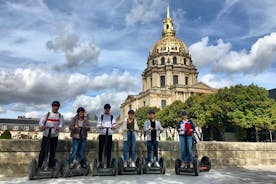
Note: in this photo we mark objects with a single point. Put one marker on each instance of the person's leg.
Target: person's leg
(155, 150)
(73, 151)
(81, 150)
(133, 145)
(42, 152)
(182, 147)
(190, 144)
(101, 147)
(149, 149)
(53, 147)
(125, 150)
(109, 148)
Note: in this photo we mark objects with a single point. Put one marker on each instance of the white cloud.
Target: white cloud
(224, 60)
(76, 52)
(144, 11)
(34, 114)
(94, 105)
(203, 54)
(215, 81)
(2, 110)
(38, 86)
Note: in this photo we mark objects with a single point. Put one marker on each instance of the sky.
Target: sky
(89, 52)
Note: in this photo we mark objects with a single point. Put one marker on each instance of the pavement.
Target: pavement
(251, 175)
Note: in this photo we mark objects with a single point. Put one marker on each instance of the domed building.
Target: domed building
(170, 74)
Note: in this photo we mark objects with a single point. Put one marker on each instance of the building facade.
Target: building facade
(170, 74)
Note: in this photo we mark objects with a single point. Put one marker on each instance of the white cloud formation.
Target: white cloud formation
(215, 81)
(2, 110)
(144, 11)
(34, 114)
(38, 86)
(94, 105)
(76, 52)
(223, 60)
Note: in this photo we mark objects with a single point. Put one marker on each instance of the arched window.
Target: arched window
(162, 61)
(153, 62)
(174, 60)
(168, 26)
(185, 61)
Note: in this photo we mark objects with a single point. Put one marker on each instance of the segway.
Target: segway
(153, 169)
(204, 165)
(78, 169)
(43, 172)
(130, 170)
(105, 171)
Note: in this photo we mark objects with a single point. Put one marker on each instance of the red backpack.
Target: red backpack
(188, 126)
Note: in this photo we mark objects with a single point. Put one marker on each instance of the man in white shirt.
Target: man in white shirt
(50, 124)
(106, 125)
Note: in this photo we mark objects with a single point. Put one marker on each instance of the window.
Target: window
(186, 80)
(144, 103)
(129, 107)
(168, 26)
(150, 82)
(184, 61)
(174, 60)
(175, 79)
(162, 81)
(153, 62)
(162, 61)
(163, 104)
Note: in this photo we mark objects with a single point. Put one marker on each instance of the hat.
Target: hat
(80, 109)
(55, 103)
(131, 111)
(184, 113)
(151, 111)
(107, 106)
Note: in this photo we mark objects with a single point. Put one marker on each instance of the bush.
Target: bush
(6, 135)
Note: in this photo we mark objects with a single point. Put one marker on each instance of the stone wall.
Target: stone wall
(15, 155)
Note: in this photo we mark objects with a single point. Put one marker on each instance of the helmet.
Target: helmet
(80, 109)
(131, 111)
(55, 103)
(107, 106)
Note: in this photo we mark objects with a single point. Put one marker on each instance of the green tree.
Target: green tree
(141, 115)
(6, 135)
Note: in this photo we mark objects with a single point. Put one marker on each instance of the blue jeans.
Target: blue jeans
(131, 141)
(151, 144)
(78, 146)
(183, 147)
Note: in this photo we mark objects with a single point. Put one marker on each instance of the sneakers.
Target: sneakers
(149, 164)
(183, 165)
(157, 164)
(125, 163)
(132, 164)
(191, 165)
(100, 165)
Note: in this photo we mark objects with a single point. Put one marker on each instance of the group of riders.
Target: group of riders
(53, 121)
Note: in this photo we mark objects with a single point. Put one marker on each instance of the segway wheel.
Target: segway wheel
(177, 165)
(57, 169)
(206, 161)
(139, 166)
(114, 167)
(196, 167)
(145, 167)
(120, 166)
(94, 167)
(32, 169)
(162, 163)
(87, 168)
(66, 170)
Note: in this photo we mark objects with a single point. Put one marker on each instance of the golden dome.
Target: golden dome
(168, 43)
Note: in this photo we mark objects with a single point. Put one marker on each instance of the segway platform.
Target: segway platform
(111, 171)
(82, 169)
(35, 173)
(186, 170)
(154, 169)
(129, 170)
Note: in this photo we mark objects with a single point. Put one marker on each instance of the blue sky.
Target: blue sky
(88, 52)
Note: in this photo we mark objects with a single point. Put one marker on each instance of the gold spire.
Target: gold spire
(168, 24)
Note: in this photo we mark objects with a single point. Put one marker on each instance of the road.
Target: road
(216, 176)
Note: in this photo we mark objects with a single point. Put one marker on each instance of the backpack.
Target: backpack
(103, 115)
(47, 116)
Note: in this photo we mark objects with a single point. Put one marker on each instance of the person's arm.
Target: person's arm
(100, 123)
(193, 125)
(136, 127)
(146, 126)
(114, 124)
(72, 124)
(159, 126)
(179, 127)
(124, 126)
(42, 123)
(87, 125)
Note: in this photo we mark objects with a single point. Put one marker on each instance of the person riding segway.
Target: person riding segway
(79, 127)
(47, 166)
(125, 165)
(152, 129)
(106, 125)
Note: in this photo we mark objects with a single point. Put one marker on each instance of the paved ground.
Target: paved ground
(231, 175)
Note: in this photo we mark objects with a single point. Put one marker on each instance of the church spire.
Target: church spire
(168, 24)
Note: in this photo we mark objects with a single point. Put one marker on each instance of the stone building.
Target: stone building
(170, 74)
